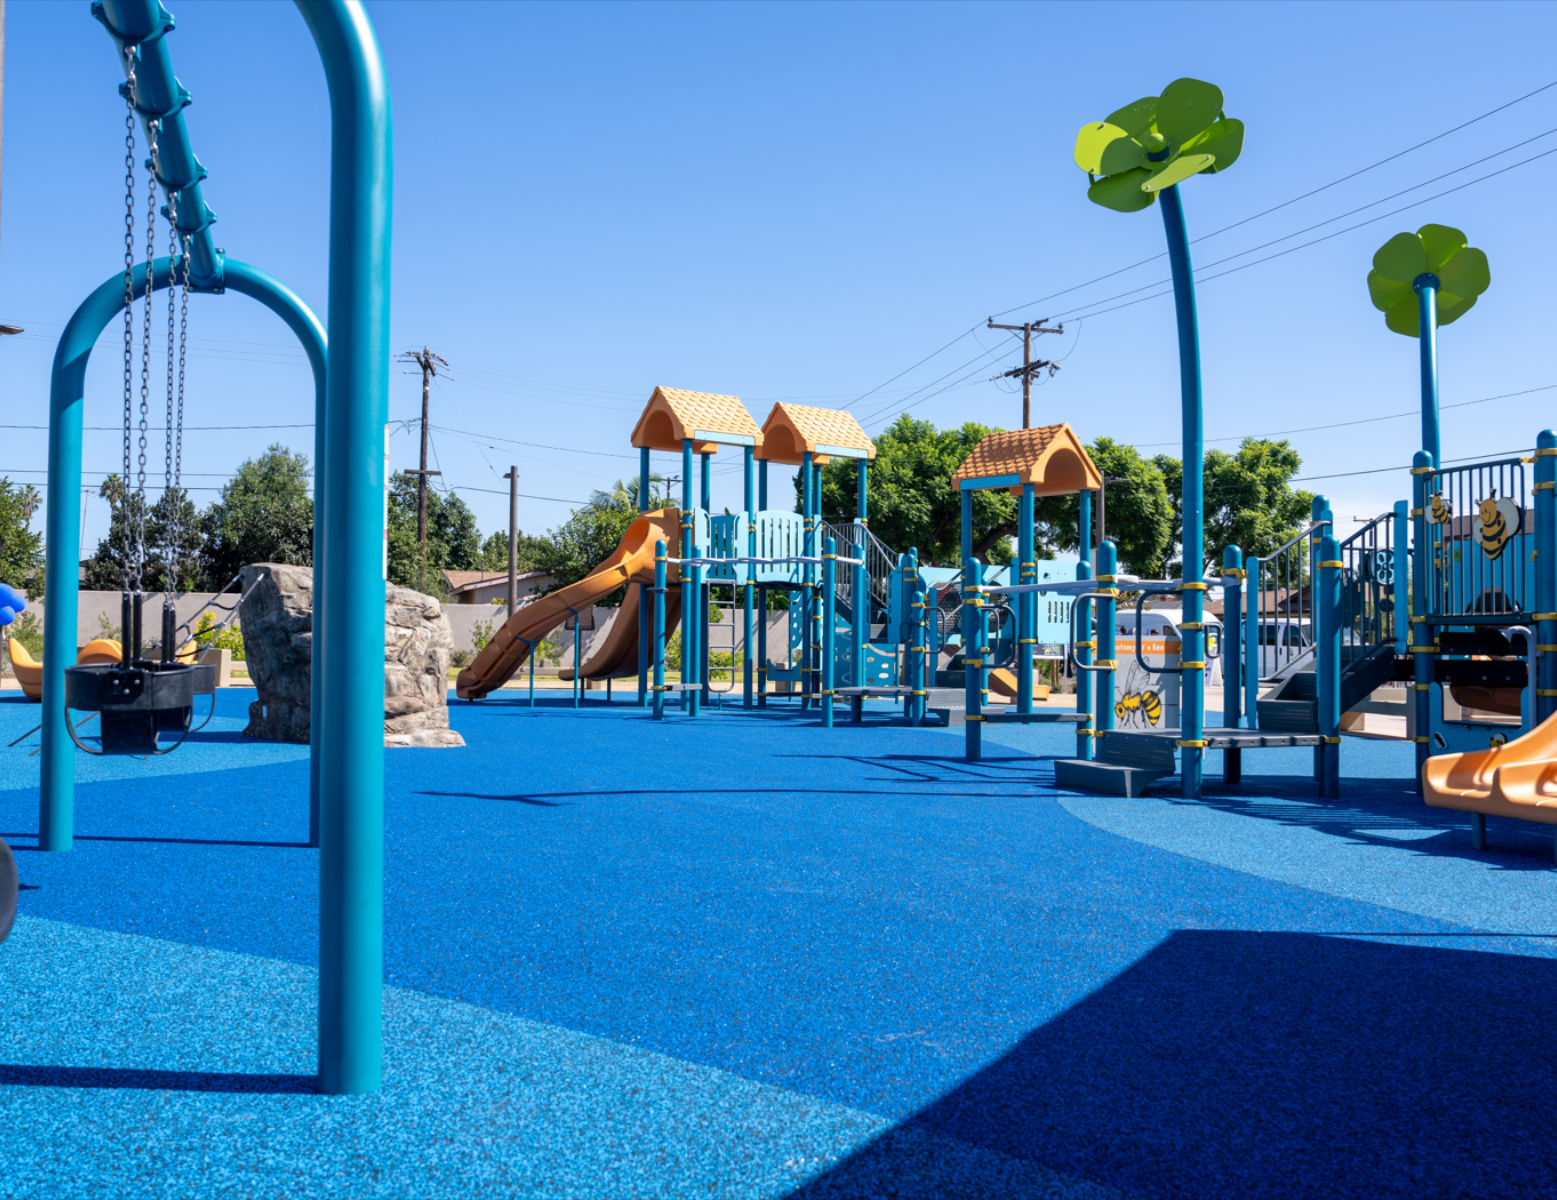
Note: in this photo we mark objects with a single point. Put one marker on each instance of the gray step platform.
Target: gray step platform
(1218, 738)
(1114, 779)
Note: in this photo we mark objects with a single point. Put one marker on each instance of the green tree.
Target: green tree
(104, 571)
(453, 541)
(1140, 515)
(265, 514)
(494, 551)
(624, 494)
(581, 543)
(1250, 501)
(911, 500)
(21, 547)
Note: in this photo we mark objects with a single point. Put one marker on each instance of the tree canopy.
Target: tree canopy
(21, 547)
(582, 542)
(265, 514)
(104, 570)
(453, 541)
(1139, 514)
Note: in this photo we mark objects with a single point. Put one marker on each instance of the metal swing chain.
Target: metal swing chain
(129, 314)
(170, 499)
(153, 128)
(183, 343)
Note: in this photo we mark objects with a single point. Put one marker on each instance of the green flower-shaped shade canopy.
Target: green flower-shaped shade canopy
(1462, 271)
(1157, 142)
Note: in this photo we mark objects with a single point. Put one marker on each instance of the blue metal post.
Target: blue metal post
(1107, 563)
(829, 624)
(644, 624)
(1026, 603)
(1327, 618)
(1421, 632)
(659, 630)
(1086, 736)
(1427, 317)
(859, 583)
(704, 591)
(1400, 544)
(810, 618)
(689, 624)
(918, 661)
(973, 626)
(762, 599)
(1253, 655)
(1232, 658)
(749, 499)
(1192, 503)
(1546, 574)
(351, 872)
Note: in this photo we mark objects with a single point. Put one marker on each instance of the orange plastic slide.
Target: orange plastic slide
(1002, 686)
(630, 562)
(618, 657)
(29, 671)
(1516, 779)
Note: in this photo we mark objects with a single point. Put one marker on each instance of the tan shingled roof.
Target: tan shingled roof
(793, 429)
(673, 415)
(1051, 458)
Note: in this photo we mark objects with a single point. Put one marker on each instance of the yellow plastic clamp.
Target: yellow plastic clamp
(973, 662)
(1417, 512)
(1543, 487)
(1424, 470)
(1422, 649)
(1193, 743)
(1027, 641)
(1546, 691)
(920, 692)
(1193, 666)
(1421, 687)
(1105, 579)
(1192, 624)
(1332, 741)
(1234, 573)
(1194, 587)
(1330, 562)
(971, 717)
(1418, 620)
(1545, 649)
(1086, 645)
(1548, 452)
(1543, 616)
(1106, 664)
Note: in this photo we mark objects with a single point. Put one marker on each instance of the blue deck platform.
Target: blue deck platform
(744, 956)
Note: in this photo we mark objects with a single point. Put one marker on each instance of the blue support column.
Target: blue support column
(749, 499)
(859, 582)
(1421, 632)
(1085, 734)
(1427, 337)
(973, 631)
(1253, 655)
(1103, 698)
(1327, 619)
(351, 638)
(1232, 657)
(967, 525)
(659, 631)
(1546, 574)
(1026, 603)
(1192, 502)
(645, 626)
(762, 599)
(1400, 545)
(811, 616)
(918, 665)
(829, 626)
(704, 591)
(689, 623)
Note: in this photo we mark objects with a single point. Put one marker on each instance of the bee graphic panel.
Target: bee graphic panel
(1142, 700)
(1480, 525)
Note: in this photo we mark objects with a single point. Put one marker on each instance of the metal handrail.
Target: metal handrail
(1284, 547)
(1140, 604)
(1389, 516)
(1076, 608)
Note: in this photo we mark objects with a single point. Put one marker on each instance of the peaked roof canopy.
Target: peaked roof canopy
(673, 415)
(1051, 458)
(793, 429)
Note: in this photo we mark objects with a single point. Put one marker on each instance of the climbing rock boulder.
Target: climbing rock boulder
(277, 619)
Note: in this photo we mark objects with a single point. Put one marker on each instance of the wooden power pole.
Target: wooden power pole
(429, 363)
(1028, 368)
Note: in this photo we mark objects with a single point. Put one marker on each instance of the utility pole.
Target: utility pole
(1102, 506)
(1029, 368)
(513, 538)
(428, 362)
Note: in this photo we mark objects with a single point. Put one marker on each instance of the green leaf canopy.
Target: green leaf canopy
(1185, 123)
(1438, 250)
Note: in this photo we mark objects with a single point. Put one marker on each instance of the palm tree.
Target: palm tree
(624, 494)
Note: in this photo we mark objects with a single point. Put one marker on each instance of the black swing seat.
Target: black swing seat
(136, 702)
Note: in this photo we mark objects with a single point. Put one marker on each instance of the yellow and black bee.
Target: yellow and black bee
(1127, 704)
(1500, 520)
(1440, 510)
(1139, 708)
(1151, 707)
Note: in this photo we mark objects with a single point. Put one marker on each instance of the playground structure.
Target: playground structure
(346, 758)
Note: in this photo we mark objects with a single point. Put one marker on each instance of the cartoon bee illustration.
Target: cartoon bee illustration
(1441, 511)
(1500, 521)
(1126, 706)
(1138, 706)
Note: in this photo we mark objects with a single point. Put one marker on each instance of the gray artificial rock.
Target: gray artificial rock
(277, 621)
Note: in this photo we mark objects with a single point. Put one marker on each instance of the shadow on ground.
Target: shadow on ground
(1275, 1064)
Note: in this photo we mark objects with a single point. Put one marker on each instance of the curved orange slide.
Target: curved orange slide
(630, 562)
(29, 671)
(618, 657)
(1517, 779)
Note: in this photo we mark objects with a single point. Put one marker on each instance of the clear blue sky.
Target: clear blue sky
(799, 202)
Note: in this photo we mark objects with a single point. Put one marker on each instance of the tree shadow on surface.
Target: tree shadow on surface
(495, 796)
(139, 1079)
(161, 841)
(1257, 1064)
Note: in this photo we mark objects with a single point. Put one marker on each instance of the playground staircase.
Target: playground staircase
(1294, 706)
(1125, 766)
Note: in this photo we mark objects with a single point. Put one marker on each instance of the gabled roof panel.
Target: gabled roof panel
(1050, 457)
(672, 415)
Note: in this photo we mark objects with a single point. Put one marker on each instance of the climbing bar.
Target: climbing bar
(724, 562)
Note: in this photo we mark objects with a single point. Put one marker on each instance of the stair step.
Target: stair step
(1288, 716)
(1114, 779)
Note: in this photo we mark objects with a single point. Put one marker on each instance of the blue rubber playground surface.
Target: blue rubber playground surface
(749, 957)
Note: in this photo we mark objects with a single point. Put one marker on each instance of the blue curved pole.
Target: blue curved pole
(67, 391)
(1193, 541)
(351, 860)
(1426, 286)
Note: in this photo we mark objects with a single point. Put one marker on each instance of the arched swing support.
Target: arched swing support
(352, 404)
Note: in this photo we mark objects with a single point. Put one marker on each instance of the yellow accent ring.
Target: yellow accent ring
(1193, 743)
(1548, 452)
(971, 717)
(1194, 587)
(1421, 687)
(1329, 562)
(1546, 691)
(1424, 470)
(1544, 487)
(1543, 616)
(1419, 739)
(1192, 624)
(1193, 666)
(1332, 741)
(1417, 512)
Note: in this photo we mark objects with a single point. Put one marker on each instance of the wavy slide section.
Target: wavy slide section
(631, 562)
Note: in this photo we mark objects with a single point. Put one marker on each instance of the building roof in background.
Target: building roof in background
(673, 415)
(459, 581)
(1050, 457)
(792, 430)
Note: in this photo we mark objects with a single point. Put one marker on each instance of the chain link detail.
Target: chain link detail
(129, 321)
